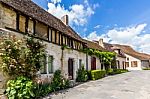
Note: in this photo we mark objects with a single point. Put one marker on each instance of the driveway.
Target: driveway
(131, 85)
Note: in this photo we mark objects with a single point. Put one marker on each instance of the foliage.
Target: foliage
(41, 90)
(146, 68)
(116, 71)
(21, 57)
(59, 82)
(82, 75)
(106, 57)
(20, 88)
(96, 74)
(109, 71)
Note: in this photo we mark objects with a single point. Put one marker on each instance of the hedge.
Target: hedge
(96, 74)
(116, 71)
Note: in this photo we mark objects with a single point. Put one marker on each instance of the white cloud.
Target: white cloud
(97, 26)
(78, 13)
(132, 35)
(56, 1)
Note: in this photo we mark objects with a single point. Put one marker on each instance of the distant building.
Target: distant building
(127, 57)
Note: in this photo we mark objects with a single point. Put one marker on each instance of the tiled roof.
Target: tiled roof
(130, 51)
(31, 9)
(94, 45)
(111, 48)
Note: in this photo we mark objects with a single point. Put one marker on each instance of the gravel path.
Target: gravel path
(131, 85)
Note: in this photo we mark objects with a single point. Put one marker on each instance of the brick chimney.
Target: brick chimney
(101, 43)
(65, 19)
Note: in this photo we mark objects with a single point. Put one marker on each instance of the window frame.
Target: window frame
(47, 65)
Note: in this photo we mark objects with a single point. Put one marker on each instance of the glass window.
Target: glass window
(44, 67)
(134, 64)
(50, 64)
(47, 65)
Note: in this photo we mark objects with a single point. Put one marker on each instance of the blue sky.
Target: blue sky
(116, 21)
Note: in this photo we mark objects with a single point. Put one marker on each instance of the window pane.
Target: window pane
(43, 68)
(50, 64)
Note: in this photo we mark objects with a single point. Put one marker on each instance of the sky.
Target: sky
(116, 21)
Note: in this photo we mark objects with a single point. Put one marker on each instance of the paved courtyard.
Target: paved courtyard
(131, 85)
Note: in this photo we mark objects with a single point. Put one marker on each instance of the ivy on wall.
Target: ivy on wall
(106, 57)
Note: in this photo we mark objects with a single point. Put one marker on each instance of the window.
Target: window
(133, 63)
(127, 59)
(50, 64)
(47, 65)
(80, 63)
(44, 67)
(127, 64)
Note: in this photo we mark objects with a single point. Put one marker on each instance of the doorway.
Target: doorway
(70, 69)
(93, 63)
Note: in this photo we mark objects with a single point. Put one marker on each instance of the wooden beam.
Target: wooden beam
(26, 24)
(17, 21)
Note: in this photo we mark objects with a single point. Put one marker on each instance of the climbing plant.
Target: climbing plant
(106, 57)
(21, 57)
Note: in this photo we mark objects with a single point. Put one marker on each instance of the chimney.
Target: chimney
(101, 43)
(65, 19)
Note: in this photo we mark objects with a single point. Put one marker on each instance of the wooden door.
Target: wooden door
(93, 63)
(70, 68)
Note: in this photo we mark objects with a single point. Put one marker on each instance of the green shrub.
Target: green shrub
(82, 75)
(110, 71)
(96, 74)
(146, 68)
(59, 82)
(20, 88)
(116, 71)
(41, 90)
